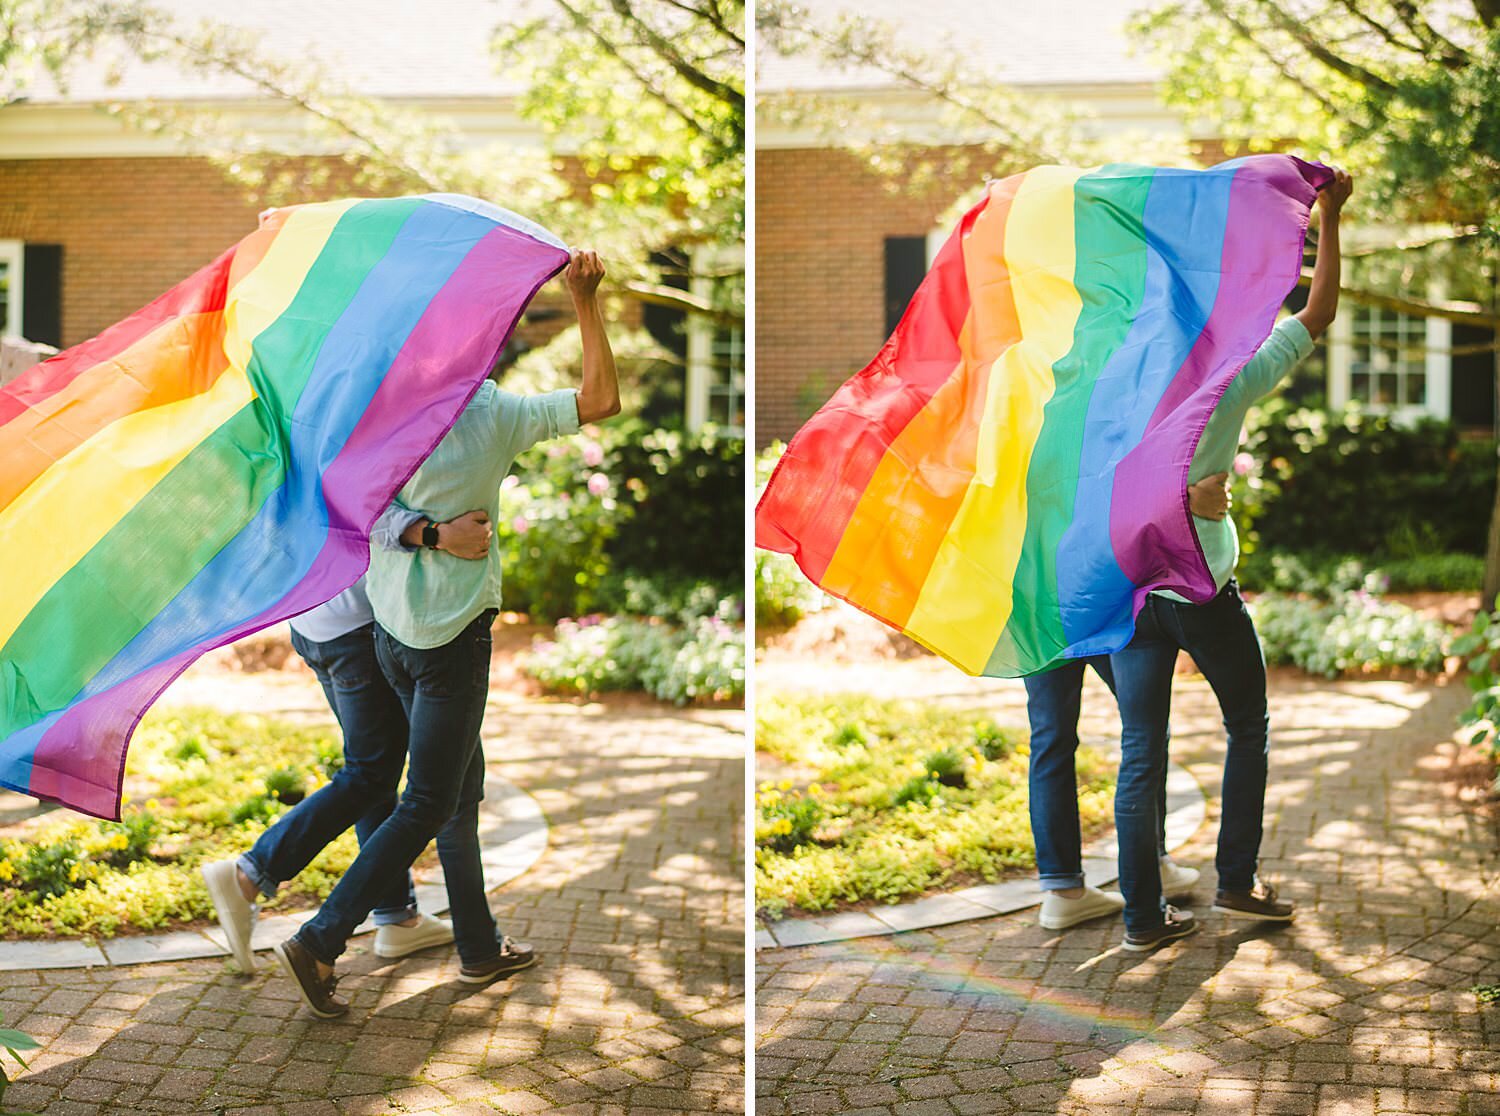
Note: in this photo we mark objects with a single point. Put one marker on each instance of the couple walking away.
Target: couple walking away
(403, 656)
(1220, 637)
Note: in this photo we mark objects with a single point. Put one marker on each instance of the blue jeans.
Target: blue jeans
(443, 690)
(1220, 636)
(363, 792)
(1053, 702)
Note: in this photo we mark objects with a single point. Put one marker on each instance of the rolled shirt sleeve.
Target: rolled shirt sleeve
(521, 421)
(392, 524)
(1288, 346)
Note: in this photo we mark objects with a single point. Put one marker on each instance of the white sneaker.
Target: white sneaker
(1176, 881)
(236, 913)
(1059, 913)
(399, 941)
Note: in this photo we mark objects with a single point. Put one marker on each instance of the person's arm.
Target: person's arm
(465, 536)
(599, 394)
(1323, 293)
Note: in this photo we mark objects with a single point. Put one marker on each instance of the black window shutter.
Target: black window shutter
(905, 267)
(41, 295)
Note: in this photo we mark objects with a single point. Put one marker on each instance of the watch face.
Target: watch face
(430, 535)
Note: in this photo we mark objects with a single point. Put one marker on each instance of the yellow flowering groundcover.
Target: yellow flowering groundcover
(202, 786)
(892, 799)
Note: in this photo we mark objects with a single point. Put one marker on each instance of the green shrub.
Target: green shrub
(556, 518)
(287, 785)
(1349, 633)
(582, 516)
(686, 495)
(784, 818)
(1480, 647)
(701, 660)
(1323, 574)
(70, 876)
(1377, 487)
(886, 827)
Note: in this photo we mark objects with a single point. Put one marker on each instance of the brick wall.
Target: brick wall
(821, 219)
(131, 228)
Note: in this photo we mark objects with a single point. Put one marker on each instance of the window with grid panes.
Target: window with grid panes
(1388, 365)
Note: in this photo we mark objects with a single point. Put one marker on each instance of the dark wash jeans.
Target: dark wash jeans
(1220, 636)
(1053, 702)
(363, 792)
(443, 690)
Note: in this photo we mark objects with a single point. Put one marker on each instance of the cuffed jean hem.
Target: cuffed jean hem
(1060, 883)
(268, 888)
(262, 882)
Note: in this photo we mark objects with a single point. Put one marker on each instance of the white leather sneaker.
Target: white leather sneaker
(1176, 881)
(1059, 913)
(236, 913)
(399, 941)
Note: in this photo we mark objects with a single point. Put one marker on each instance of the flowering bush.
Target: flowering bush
(1350, 633)
(556, 520)
(701, 660)
(785, 818)
(616, 502)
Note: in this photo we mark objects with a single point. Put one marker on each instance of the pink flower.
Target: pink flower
(510, 481)
(520, 524)
(598, 484)
(593, 454)
(1243, 463)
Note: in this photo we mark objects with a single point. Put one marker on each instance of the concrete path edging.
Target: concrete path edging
(1187, 809)
(512, 837)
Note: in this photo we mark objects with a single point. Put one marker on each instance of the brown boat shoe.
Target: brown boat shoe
(317, 991)
(1260, 903)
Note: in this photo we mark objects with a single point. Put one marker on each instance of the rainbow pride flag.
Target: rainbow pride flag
(1006, 481)
(214, 463)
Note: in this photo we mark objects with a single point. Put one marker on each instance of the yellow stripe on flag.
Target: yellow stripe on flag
(967, 598)
(78, 500)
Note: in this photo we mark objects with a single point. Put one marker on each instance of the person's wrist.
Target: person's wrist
(444, 535)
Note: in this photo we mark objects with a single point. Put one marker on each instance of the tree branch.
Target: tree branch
(1247, 33)
(1338, 64)
(1453, 56)
(675, 299)
(719, 90)
(711, 16)
(1381, 29)
(612, 49)
(1466, 313)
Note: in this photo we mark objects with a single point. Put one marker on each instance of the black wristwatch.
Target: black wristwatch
(430, 536)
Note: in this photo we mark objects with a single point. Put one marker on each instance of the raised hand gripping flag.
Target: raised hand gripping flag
(214, 463)
(1006, 481)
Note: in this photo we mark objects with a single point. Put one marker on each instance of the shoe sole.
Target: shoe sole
(243, 955)
(490, 978)
(1157, 943)
(1069, 923)
(286, 967)
(396, 955)
(1252, 915)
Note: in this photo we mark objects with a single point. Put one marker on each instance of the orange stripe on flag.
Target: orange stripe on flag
(916, 490)
(180, 358)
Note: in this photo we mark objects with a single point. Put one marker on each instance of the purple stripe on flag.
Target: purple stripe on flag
(1150, 526)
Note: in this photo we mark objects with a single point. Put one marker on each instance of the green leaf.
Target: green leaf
(17, 1040)
(1479, 737)
(1467, 644)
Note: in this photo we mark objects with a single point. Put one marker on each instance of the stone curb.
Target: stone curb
(512, 837)
(1187, 808)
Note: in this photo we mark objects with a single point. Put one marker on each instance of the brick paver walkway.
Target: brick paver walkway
(1362, 1006)
(637, 1005)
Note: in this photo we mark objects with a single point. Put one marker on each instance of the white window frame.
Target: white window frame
(12, 253)
(1438, 367)
(700, 337)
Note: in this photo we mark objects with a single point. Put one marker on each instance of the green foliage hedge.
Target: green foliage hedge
(1362, 482)
(580, 515)
(903, 797)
